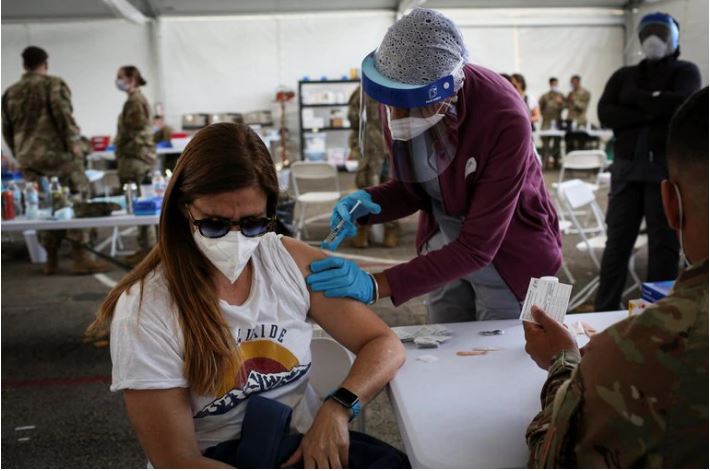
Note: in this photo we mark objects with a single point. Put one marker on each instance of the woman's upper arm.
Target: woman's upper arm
(162, 419)
(348, 321)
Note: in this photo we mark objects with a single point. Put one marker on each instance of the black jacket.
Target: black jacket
(638, 103)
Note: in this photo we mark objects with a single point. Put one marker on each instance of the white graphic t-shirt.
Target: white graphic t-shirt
(274, 335)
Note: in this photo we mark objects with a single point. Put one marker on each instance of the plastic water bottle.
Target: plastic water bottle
(147, 188)
(16, 197)
(158, 184)
(43, 192)
(129, 190)
(31, 201)
(56, 194)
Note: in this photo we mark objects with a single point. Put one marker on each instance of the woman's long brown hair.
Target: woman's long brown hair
(222, 157)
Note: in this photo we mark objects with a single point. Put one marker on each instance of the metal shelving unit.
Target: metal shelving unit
(322, 84)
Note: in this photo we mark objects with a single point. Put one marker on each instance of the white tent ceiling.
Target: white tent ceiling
(40, 10)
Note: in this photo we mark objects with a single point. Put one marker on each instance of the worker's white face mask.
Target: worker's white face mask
(121, 85)
(555, 89)
(406, 129)
(680, 225)
(654, 48)
(229, 254)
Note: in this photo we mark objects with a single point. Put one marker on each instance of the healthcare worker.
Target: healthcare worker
(461, 153)
(638, 103)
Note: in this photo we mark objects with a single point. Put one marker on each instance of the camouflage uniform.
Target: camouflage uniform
(135, 151)
(638, 397)
(163, 134)
(39, 128)
(577, 103)
(374, 167)
(551, 106)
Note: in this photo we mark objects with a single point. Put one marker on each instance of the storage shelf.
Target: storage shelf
(326, 128)
(325, 105)
(316, 82)
(338, 102)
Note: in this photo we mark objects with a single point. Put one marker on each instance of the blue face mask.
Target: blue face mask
(121, 85)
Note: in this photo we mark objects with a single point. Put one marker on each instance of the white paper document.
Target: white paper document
(550, 296)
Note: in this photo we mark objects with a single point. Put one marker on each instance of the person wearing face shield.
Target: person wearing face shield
(638, 103)
(461, 153)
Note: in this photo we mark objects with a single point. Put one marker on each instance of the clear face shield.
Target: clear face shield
(417, 124)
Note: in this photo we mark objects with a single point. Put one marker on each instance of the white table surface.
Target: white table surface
(111, 155)
(472, 412)
(21, 224)
(551, 133)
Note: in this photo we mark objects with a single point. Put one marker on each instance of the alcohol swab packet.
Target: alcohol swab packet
(549, 295)
(409, 332)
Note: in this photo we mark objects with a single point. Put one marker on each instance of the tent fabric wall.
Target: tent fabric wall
(237, 64)
(693, 18)
(86, 55)
(540, 45)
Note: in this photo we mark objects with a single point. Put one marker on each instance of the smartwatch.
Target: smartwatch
(347, 399)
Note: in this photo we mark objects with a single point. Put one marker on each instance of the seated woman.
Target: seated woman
(219, 311)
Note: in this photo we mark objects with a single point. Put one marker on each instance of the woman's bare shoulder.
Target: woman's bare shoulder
(302, 253)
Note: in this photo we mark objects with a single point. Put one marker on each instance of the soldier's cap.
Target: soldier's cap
(419, 62)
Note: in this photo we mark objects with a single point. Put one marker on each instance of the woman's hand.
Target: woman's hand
(327, 442)
(546, 340)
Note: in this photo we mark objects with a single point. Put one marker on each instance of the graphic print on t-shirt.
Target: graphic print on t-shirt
(265, 365)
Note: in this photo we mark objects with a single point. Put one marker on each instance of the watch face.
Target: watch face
(346, 396)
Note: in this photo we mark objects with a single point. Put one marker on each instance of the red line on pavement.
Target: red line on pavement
(25, 383)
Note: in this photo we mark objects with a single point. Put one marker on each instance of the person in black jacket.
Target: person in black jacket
(638, 103)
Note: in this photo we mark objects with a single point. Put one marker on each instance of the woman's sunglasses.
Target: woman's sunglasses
(250, 226)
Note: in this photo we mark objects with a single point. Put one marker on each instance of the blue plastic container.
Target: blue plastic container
(147, 206)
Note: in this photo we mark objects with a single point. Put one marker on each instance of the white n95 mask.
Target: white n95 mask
(406, 129)
(229, 254)
(654, 48)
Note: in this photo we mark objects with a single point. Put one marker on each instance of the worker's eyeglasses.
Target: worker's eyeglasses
(250, 226)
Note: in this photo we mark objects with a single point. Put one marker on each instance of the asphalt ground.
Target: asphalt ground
(57, 411)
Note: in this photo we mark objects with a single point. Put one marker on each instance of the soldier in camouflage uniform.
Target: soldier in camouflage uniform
(551, 105)
(161, 131)
(375, 170)
(639, 395)
(39, 128)
(577, 102)
(135, 149)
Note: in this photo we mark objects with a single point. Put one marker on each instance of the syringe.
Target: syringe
(339, 227)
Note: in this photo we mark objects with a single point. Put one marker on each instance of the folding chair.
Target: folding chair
(582, 160)
(330, 364)
(576, 195)
(320, 174)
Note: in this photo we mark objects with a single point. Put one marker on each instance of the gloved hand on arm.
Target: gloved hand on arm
(341, 212)
(341, 278)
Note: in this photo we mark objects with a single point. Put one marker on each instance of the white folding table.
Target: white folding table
(472, 411)
(29, 228)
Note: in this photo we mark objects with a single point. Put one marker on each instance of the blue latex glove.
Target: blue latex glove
(341, 278)
(341, 212)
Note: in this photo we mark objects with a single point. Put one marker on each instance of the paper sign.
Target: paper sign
(550, 296)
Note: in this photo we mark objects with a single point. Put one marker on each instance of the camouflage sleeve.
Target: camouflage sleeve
(7, 130)
(135, 115)
(354, 109)
(581, 101)
(61, 109)
(542, 102)
(611, 412)
(547, 435)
